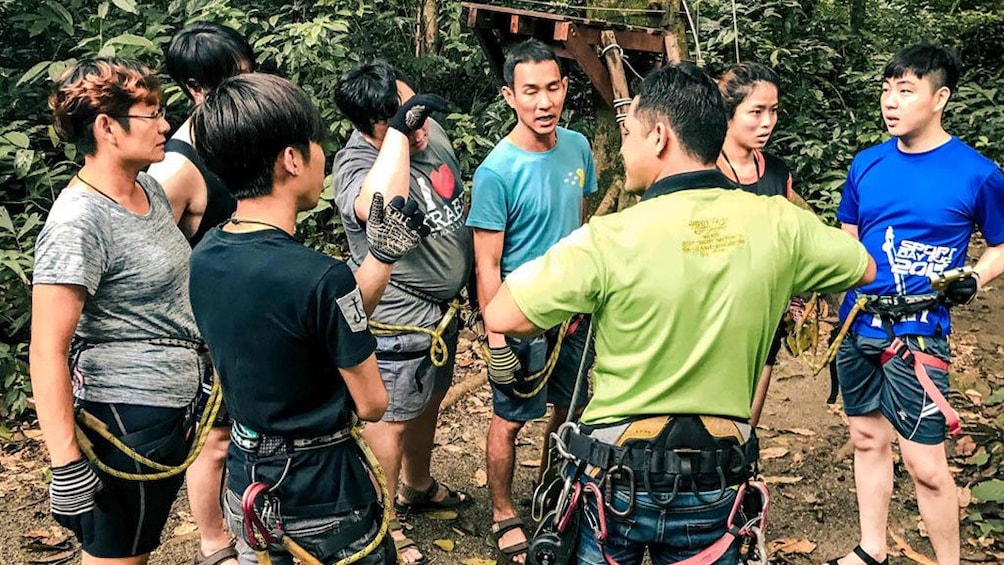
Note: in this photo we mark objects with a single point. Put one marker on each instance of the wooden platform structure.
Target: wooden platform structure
(596, 45)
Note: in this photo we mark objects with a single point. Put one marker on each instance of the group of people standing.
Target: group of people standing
(683, 292)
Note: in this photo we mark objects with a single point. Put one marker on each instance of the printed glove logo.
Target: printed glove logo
(576, 178)
(914, 258)
(443, 181)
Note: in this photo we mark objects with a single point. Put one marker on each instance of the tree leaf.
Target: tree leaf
(126, 6)
(989, 491)
(33, 72)
(63, 13)
(103, 10)
(5, 222)
(131, 39)
(996, 398)
(17, 139)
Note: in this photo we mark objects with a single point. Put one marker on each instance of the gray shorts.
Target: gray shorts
(893, 388)
(408, 373)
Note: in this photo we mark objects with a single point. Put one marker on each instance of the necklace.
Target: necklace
(238, 221)
(756, 164)
(96, 189)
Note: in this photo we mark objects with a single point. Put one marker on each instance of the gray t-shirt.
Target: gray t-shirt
(135, 270)
(441, 265)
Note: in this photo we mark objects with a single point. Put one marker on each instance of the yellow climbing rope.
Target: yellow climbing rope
(163, 471)
(381, 479)
(803, 334)
(545, 373)
(439, 353)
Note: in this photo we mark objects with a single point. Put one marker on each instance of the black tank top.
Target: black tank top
(775, 177)
(220, 204)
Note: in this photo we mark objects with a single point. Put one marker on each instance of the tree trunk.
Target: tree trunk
(428, 31)
(607, 141)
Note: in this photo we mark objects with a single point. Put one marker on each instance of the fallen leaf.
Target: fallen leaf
(974, 396)
(965, 497)
(33, 434)
(773, 452)
(452, 448)
(800, 431)
(54, 558)
(530, 463)
(906, 551)
(184, 529)
(788, 546)
(965, 446)
(444, 544)
(477, 561)
(480, 478)
(781, 480)
(442, 515)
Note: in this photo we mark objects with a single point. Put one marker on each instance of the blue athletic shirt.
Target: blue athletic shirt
(915, 214)
(535, 197)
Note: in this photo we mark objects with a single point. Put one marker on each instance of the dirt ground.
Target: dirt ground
(804, 460)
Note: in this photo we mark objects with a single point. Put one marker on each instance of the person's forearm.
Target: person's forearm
(990, 265)
(760, 396)
(489, 281)
(372, 277)
(53, 394)
(390, 173)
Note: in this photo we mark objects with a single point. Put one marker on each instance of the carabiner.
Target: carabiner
(256, 533)
(722, 487)
(610, 484)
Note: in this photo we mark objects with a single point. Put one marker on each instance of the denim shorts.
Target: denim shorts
(411, 380)
(315, 535)
(893, 389)
(687, 526)
(558, 390)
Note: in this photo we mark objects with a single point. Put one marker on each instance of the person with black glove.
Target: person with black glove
(962, 290)
(399, 155)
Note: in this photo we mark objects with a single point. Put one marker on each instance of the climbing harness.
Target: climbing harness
(86, 419)
(889, 309)
(264, 529)
(538, 379)
(439, 353)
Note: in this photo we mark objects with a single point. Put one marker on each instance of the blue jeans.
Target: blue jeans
(673, 534)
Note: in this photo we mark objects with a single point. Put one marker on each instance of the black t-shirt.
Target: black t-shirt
(279, 320)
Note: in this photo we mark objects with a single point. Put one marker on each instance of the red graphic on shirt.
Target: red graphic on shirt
(443, 181)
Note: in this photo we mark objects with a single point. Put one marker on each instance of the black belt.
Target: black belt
(899, 305)
(664, 469)
(264, 444)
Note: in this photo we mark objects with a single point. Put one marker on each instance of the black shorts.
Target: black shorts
(129, 515)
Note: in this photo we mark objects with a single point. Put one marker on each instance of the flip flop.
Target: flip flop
(404, 543)
(862, 555)
(216, 557)
(419, 502)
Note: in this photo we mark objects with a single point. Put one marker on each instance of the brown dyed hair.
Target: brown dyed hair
(99, 86)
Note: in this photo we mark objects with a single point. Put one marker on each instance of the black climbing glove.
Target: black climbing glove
(395, 230)
(503, 365)
(71, 498)
(412, 114)
(961, 291)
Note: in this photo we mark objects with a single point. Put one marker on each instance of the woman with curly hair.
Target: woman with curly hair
(112, 330)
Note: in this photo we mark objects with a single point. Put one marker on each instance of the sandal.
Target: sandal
(508, 552)
(419, 502)
(404, 543)
(216, 557)
(862, 555)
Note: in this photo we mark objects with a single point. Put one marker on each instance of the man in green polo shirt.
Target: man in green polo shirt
(685, 290)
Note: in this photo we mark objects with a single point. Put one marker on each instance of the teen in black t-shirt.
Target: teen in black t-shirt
(287, 326)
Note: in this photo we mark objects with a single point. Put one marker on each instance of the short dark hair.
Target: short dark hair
(688, 100)
(737, 83)
(205, 53)
(529, 51)
(246, 123)
(367, 94)
(941, 65)
(105, 85)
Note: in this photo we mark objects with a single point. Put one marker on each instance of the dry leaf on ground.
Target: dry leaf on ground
(480, 478)
(773, 452)
(905, 550)
(444, 544)
(800, 431)
(788, 546)
(530, 463)
(782, 480)
(442, 515)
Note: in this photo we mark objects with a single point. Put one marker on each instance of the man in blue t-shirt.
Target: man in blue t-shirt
(912, 201)
(527, 195)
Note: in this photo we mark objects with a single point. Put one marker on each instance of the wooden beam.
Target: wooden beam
(561, 31)
(585, 54)
(628, 40)
(673, 54)
(615, 67)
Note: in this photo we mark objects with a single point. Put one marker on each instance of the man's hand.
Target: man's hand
(961, 291)
(502, 365)
(412, 114)
(71, 498)
(395, 230)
